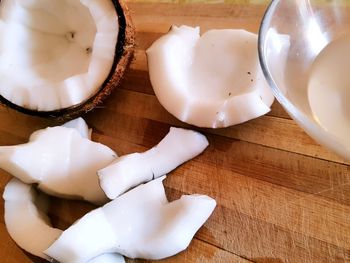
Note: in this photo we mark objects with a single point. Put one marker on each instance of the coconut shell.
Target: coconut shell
(122, 58)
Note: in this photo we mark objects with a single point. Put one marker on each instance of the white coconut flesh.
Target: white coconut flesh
(177, 147)
(55, 54)
(61, 162)
(28, 224)
(209, 81)
(108, 258)
(139, 224)
(81, 126)
(29, 227)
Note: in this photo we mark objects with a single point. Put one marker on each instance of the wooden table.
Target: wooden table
(281, 197)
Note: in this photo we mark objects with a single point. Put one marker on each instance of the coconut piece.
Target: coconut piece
(128, 171)
(29, 227)
(210, 81)
(108, 258)
(80, 125)
(27, 222)
(68, 62)
(139, 224)
(61, 162)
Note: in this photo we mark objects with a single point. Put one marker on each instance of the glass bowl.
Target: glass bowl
(304, 52)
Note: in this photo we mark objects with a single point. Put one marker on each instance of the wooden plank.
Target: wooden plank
(195, 10)
(247, 206)
(300, 173)
(281, 197)
(140, 60)
(155, 17)
(327, 221)
(16, 127)
(257, 2)
(269, 131)
(262, 241)
(201, 252)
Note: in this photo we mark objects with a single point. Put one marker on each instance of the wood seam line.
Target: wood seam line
(223, 249)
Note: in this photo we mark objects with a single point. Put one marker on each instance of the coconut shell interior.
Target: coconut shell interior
(122, 58)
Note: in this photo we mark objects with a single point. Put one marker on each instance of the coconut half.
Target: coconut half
(60, 58)
(213, 80)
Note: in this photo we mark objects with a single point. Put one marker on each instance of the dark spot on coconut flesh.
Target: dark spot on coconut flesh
(70, 36)
(88, 50)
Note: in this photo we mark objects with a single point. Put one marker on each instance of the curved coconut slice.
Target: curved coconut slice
(138, 224)
(64, 52)
(29, 226)
(61, 161)
(209, 81)
(128, 171)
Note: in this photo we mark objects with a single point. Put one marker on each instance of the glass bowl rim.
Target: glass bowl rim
(282, 99)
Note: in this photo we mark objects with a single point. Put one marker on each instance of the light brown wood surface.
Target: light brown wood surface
(281, 197)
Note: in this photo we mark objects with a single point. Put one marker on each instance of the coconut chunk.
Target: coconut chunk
(139, 224)
(108, 258)
(29, 227)
(61, 162)
(28, 224)
(80, 125)
(210, 81)
(54, 46)
(128, 171)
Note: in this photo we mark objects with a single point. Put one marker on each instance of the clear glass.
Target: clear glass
(292, 35)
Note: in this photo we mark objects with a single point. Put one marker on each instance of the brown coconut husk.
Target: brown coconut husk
(122, 58)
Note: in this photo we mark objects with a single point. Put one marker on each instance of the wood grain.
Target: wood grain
(281, 196)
